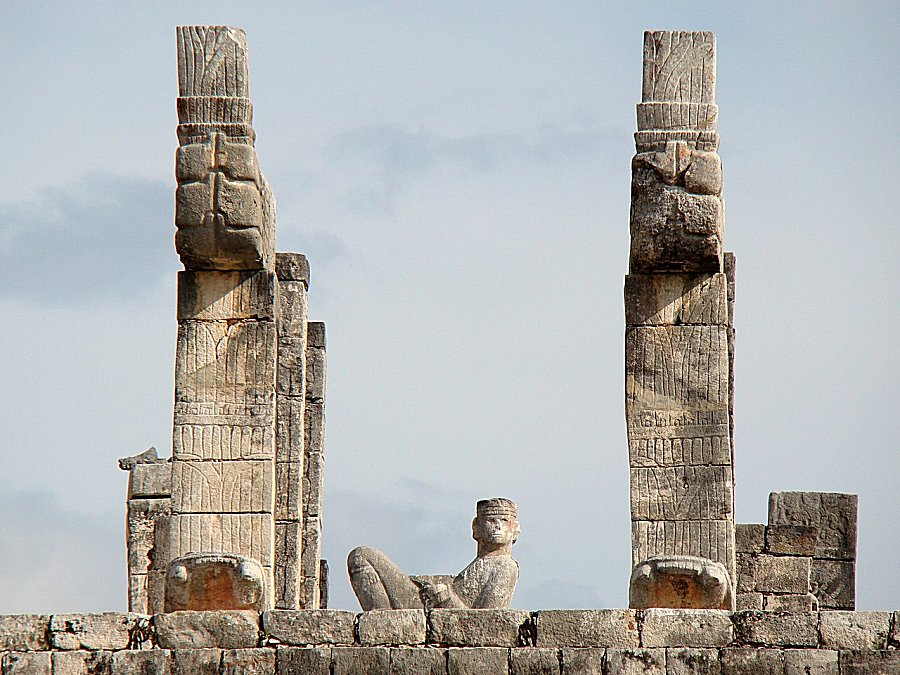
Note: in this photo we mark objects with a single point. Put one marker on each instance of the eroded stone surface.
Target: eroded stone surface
(533, 662)
(24, 632)
(686, 582)
(782, 574)
(686, 628)
(476, 628)
(360, 660)
(682, 661)
(810, 662)
(855, 630)
(419, 661)
(587, 628)
(232, 629)
(309, 627)
(636, 661)
(131, 662)
(478, 661)
(248, 662)
(27, 663)
(196, 661)
(776, 628)
(743, 661)
(205, 582)
(108, 630)
(391, 627)
(869, 662)
(84, 662)
(307, 660)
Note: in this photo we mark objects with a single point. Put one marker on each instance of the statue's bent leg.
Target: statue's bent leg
(379, 583)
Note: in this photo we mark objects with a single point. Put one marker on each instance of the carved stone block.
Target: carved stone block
(682, 493)
(782, 574)
(246, 534)
(810, 662)
(749, 538)
(686, 628)
(478, 661)
(743, 661)
(287, 565)
(833, 514)
(289, 428)
(683, 582)
(680, 661)
(196, 661)
(636, 661)
(476, 627)
(748, 601)
(310, 627)
(834, 583)
(82, 662)
(255, 661)
(24, 632)
(679, 66)
(214, 581)
(587, 628)
(855, 630)
(800, 602)
(289, 482)
(310, 661)
(708, 539)
(224, 487)
(109, 630)
(675, 300)
(533, 662)
(27, 663)
(776, 628)
(869, 662)
(226, 296)
(150, 480)
(197, 630)
(391, 627)
(419, 661)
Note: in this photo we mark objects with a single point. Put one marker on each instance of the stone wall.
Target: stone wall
(454, 642)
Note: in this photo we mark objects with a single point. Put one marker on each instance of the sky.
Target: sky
(458, 176)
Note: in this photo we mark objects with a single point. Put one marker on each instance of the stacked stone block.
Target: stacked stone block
(679, 336)
(147, 531)
(804, 559)
(454, 642)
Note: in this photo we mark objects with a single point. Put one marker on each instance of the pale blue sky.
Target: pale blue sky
(458, 175)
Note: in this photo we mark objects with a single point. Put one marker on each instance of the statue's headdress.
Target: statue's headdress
(498, 506)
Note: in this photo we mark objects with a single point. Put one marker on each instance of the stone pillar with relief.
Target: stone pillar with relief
(678, 336)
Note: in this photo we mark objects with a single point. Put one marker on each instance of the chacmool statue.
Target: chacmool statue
(487, 582)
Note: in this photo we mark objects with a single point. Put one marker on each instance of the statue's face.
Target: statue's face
(495, 529)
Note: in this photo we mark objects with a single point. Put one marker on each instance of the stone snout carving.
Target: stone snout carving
(224, 209)
(680, 582)
(677, 212)
(487, 582)
(209, 581)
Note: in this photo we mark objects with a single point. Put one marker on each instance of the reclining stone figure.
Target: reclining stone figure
(487, 582)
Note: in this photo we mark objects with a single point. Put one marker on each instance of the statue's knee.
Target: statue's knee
(361, 556)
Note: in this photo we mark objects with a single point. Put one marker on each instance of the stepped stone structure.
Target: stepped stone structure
(224, 537)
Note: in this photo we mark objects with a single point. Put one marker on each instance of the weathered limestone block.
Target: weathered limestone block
(109, 630)
(478, 661)
(744, 661)
(421, 661)
(636, 661)
(361, 661)
(810, 662)
(869, 662)
(150, 480)
(306, 660)
(533, 662)
(682, 493)
(224, 207)
(391, 627)
(587, 628)
(805, 602)
(679, 66)
(205, 295)
(242, 534)
(476, 627)
(855, 630)
(196, 661)
(675, 300)
(782, 574)
(224, 487)
(749, 601)
(833, 514)
(288, 497)
(687, 582)
(134, 662)
(587, 661)
(310, 627)
(745, 565)
(24, 632)
(681, 661)
(673, 230)
(223, 629)
(894, 636)
(211, 581)
(686, 628)
(257, 661)
(27, 663)
(82, 662)
(834, 583)
(776, 628)
(791, 539)
(287, 565)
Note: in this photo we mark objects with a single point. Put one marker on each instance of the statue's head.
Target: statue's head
(496, 523)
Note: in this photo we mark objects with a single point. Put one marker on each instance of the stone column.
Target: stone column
(678, 337)
(222, 536)
(313, 570)
(293, 283)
